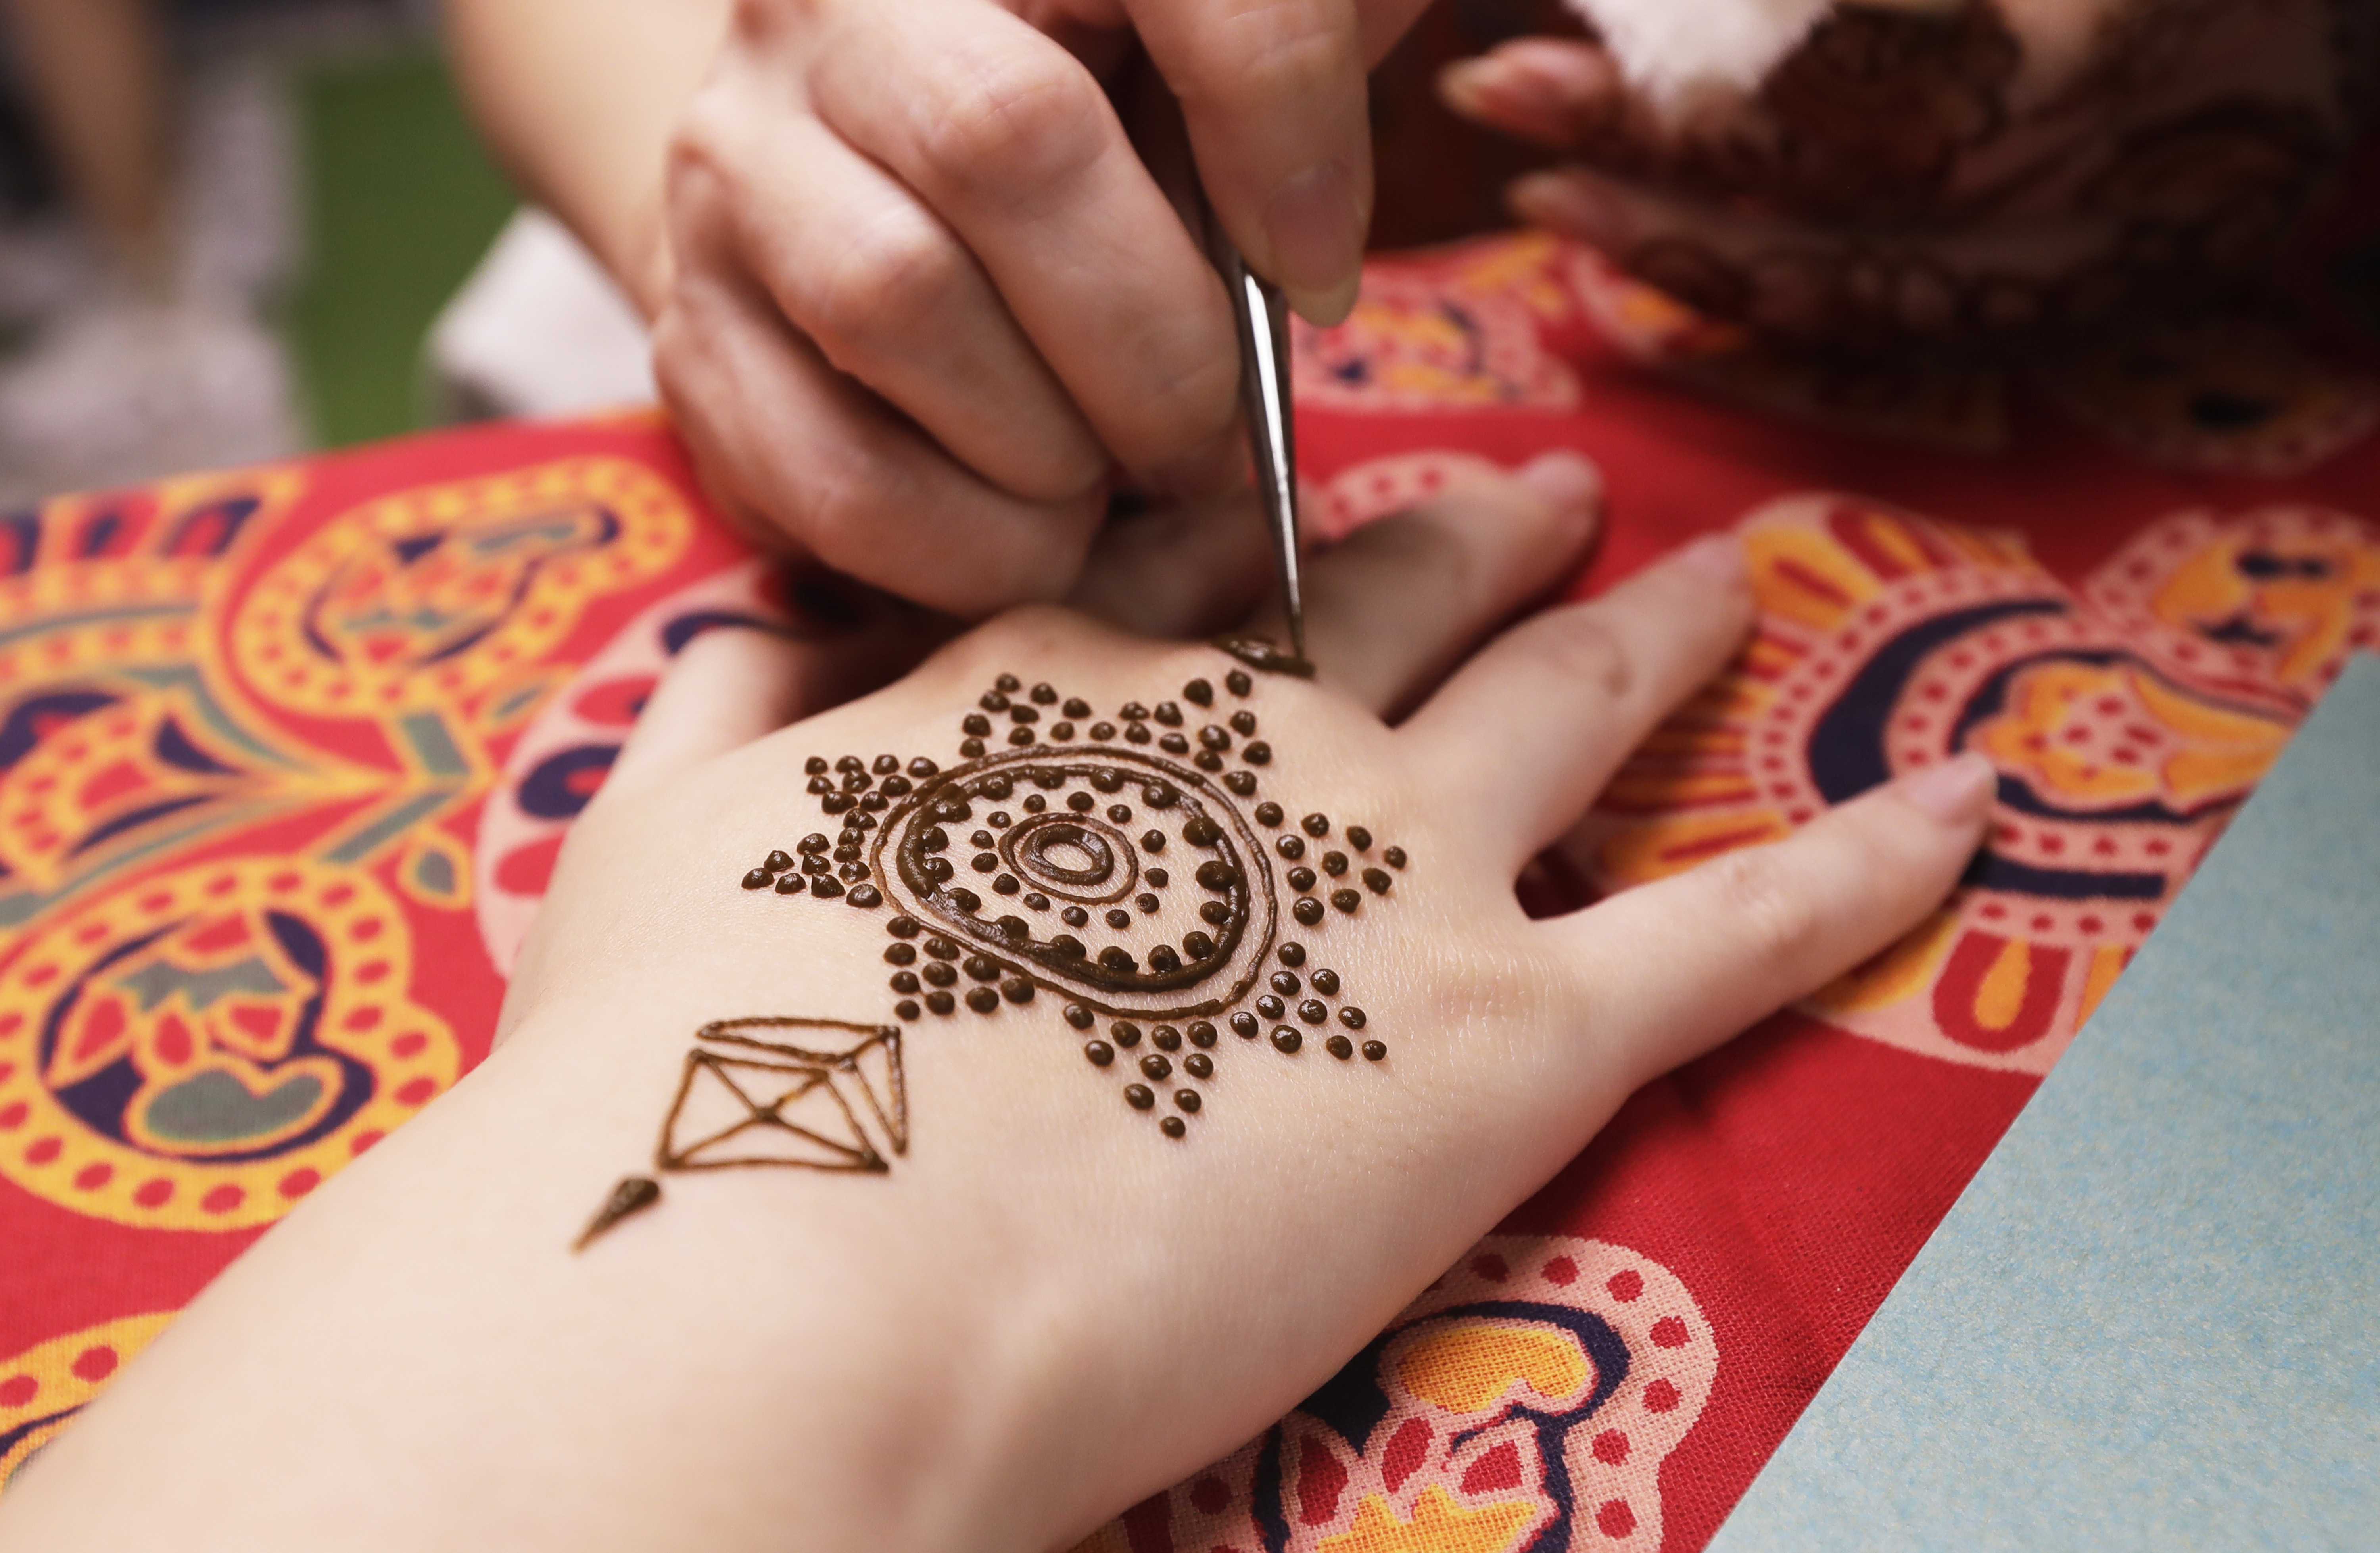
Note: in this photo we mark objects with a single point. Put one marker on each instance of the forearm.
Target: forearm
(578, 97)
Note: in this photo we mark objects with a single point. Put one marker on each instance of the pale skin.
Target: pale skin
(919, 282)
(1045, 1310)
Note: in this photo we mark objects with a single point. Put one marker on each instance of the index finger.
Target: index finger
(1274, 97)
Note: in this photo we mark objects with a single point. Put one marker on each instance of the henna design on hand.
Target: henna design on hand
(1144, 889)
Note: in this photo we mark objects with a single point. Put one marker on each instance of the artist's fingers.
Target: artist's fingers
(1547, 90)
(1273, 95)
(1188, 570)
(1668, 970)
(789, 443)
(1392, 609)
(1547, 713)
(727, 688)
(1013, 145)
(890, 297)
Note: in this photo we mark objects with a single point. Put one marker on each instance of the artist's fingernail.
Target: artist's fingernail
(1488, 85)
(1568, 481)
(1957, 792)
(1315, 224)
(1719, 557)
(1562, 202)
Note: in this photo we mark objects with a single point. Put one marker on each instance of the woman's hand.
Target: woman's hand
(1117, 1208)
(1983, 174)
(926, 289)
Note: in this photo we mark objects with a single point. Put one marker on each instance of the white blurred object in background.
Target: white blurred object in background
(539, 331)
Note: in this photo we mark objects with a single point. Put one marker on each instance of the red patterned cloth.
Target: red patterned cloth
(286, 754)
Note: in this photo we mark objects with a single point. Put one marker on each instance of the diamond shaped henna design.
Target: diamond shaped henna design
(1122, 866)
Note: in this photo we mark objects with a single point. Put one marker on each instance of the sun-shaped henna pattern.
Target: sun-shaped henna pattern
(1125, 867)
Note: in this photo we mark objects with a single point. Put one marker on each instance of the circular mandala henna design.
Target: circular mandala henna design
(1126, 862)
(1138, 887)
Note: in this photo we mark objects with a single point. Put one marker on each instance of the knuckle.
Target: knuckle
(889, 277)
(1583, 649)
(1010, 122)
(1776, 921)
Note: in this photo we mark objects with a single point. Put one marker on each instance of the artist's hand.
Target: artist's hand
(1108, 1246)
(1928, 173)
(926, 289)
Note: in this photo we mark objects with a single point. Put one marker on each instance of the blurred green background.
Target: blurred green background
(400, 203)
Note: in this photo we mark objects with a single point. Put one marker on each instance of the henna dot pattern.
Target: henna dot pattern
(1160, 877)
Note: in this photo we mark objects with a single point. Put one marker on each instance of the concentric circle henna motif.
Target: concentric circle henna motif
(1180, 934)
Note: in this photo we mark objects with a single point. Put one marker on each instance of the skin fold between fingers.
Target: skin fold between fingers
(1546, 713)
(890, 297)
(1392, 607)
(778, 431)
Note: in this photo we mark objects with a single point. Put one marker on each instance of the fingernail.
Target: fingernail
(1719, 557)
(1315, 224)
(1955, 793)
(1567, 480)
(1490, 85)
(1561, 203)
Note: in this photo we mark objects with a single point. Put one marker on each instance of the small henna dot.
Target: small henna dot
(1340, 1047)
(1188, 1099)
(1307, 910)
(921, 767)
(1352, 1016)
(1285, 983)
(1100, 1052)
(1376, 882)
(941, 973)
(816, 764)
(1156, 1066)
(1165, 1038)
(1007, 681)
(1174, 744)
(982, 967)
(903, 927)
(1290, 847)
(1199, 692)
(1326, 981)
(1334, 862)
(975, 725)
(1172, 1127)
(983, 1000)
(1241, 783)
(1245, 1025)
(1169, 714)
(1345, 899)
(1257, 753)
(1140, 1097)
(1292, 954)
(1079, 1017)
(1017, 989)
(1202, 1034)
(1126, 1033)
(1286, 1040)
(1375, 1050)
(1301, 879)
(1103, 732)
(1394, 857)
(1244, 722)
(1076, 708)
(906, 1009)
(1043, 694)
(1312, 1011)
(941, 1002)
(1238, 682)
(760, 878)
(904, 981)
(1317, 825)
(1271, 1007)
(900, 954)
(971, 749)
(1268, 814)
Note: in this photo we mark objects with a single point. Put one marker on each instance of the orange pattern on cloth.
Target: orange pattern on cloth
(285, 755)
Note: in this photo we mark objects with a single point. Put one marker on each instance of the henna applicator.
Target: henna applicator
(1262, 317)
